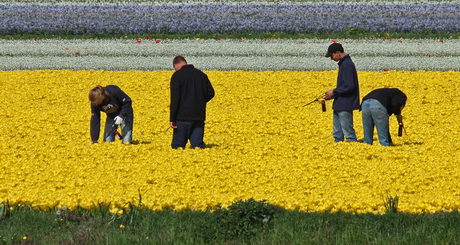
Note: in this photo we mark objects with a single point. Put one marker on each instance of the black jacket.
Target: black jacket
(391, 98)
(190, 91)
(118, 103)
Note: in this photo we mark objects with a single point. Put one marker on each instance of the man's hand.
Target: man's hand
(328, 95)
(173, 124)
(118, 120)
(400, 119)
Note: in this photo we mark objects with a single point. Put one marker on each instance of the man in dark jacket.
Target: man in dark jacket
(377, 108)
(190, 91)
(345, 95)
(118, 107)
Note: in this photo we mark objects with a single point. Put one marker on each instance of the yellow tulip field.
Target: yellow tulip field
(262, 143)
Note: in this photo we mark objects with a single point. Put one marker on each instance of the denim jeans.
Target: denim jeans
(126, 129)
(188, 130)
(375, 114)
(343, 126)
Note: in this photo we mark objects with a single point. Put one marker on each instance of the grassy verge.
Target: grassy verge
(278, 35)
(244, 222)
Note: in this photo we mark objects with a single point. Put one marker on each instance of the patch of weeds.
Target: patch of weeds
(241, 221)
(391, 204)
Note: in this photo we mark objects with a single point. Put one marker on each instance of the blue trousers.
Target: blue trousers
(343, 126)
(188, 130)
(126, 129)
(375, 114)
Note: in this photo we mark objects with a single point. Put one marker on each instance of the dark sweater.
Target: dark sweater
(346, 94)
(391, 98)
(116, 104)
(190, 91)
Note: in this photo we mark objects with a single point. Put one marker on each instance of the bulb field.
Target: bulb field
(263, 140)
(263, 143)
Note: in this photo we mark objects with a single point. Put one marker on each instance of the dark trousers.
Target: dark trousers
(188, 130)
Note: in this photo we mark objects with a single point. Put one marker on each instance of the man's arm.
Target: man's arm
(125, 101)
(211, 92)
(348, 72)
(175, 98)
(95, 126)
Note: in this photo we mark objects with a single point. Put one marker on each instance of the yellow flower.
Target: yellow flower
(262, 143)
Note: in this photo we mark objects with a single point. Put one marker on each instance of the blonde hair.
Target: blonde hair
(97, 93)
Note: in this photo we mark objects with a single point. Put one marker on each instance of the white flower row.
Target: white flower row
(256, 63)
(217, 2)
(228, 47)
(225, 54)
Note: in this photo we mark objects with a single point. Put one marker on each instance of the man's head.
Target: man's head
(97, 95)
(335, 51)
(178, 62)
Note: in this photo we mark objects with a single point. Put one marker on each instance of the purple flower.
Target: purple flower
(136, 19)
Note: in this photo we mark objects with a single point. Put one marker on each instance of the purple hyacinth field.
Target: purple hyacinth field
(174, 19)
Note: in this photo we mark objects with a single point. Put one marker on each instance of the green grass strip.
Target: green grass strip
(244, 222)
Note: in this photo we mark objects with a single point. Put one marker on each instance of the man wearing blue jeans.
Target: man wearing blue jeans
(345, 95)
(377, 108)
(190, 91)
(118, 107)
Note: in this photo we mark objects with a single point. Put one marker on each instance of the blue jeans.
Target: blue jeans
(343, 126)
(375, 114)
(126, 128)
(188, 130)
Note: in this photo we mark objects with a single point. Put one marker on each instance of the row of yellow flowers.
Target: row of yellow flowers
(262, 144)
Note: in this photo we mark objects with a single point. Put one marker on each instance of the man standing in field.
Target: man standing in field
(345, 95)
(190, 91)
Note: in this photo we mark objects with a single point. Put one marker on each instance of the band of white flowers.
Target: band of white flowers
(226, 54)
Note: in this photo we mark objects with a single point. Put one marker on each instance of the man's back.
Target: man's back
(190, 91)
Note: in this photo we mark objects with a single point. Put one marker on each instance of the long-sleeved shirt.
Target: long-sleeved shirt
(346, 94)
(391, 98)
(190, 91)
(118, 103)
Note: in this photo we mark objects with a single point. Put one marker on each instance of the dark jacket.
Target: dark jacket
(346, 94)
(116, 104)
(190, 91)
(391, 98)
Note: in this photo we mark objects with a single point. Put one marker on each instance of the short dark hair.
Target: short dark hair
(179, 59)
(335, 47)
